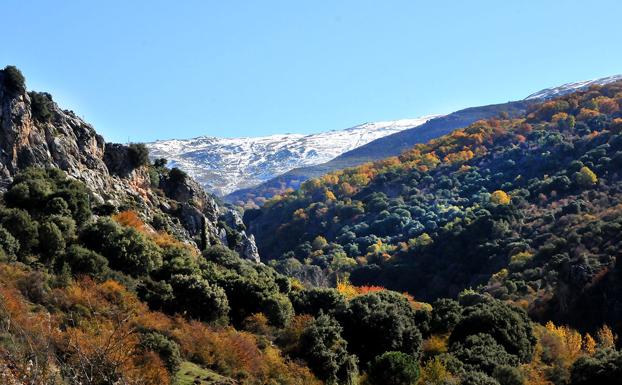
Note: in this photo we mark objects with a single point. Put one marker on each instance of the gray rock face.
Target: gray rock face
(246, 245)
(65, 141)
(247, 248)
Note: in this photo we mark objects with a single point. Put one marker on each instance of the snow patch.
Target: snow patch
(554, 92)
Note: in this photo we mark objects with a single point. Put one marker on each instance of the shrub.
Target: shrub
(394, 368)
(138, 154)
(378, 322)
(125, 248)
(508, 375)
(176, 176)
(66, 225)
(130, 218)
(510, 327)
(76, 195)
(585, 177)
(605, 368)
(480, 352)
(18, 195)
(478, 378)
(316, 300)
(166, 348)
(198, 298)
(42, 106)
(278, 309)
(51, 240)
(445, 315)
(34, 286)
(157, 294)
(160, 162)
(20, 224)
(322, 346)
(38, 191)
(500, 197)
(8, 244)
(85, 261)
(435, 372)
(57, 206)
(14, 81)
(257, 324)
(154, 177)
(176, 260)
(221, 255)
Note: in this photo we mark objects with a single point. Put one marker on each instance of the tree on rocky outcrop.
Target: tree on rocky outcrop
(13, 79)
(138, 154)
(42, 106)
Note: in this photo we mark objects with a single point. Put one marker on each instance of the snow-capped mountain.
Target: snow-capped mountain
(550, 93)
(223, 165)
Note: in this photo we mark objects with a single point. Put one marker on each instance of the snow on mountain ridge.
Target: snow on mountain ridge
(564, 89)
(223, 165)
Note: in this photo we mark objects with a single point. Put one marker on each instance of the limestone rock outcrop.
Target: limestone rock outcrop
(63, 140)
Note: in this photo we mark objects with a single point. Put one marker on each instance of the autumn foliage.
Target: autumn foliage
(94, 336)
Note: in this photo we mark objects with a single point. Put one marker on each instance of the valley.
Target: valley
(484, 253)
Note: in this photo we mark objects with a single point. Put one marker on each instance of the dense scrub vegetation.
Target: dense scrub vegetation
(72, 285)
(107, 299)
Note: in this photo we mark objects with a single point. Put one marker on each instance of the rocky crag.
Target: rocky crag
(36, 132)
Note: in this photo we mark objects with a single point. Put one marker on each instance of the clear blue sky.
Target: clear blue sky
(145, 70)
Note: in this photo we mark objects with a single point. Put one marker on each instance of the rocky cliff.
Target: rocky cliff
(35, 132)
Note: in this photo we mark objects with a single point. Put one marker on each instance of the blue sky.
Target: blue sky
(146, 70)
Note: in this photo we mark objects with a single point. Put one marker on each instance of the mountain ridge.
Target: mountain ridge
(564, 89)
(394, 144)
(223, 165)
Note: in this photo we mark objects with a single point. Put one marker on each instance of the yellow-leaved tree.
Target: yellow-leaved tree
(500, 197)
(586, 177)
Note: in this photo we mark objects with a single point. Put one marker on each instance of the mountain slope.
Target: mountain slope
(394, 144)
(117, 271)
(525, 209)
(380, 148)
(36, 132)
(565, 89)
(224, 165)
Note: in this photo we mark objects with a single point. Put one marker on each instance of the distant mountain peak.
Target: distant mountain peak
(223, 165)
(554, 92)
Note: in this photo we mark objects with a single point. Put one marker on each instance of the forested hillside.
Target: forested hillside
(393, 145)
(527, 210)
(117, 271)
(390, 145)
